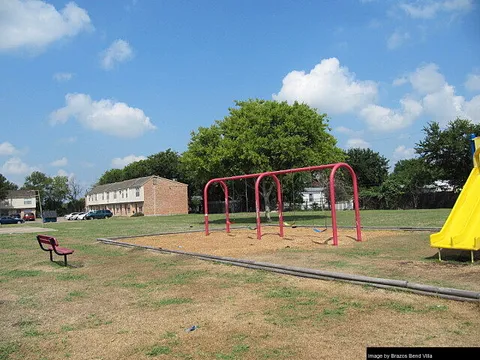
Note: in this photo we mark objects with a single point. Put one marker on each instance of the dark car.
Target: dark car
(10, 220)
(98, 214)
(29, 217)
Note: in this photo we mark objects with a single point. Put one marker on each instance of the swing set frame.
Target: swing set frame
(273, 174)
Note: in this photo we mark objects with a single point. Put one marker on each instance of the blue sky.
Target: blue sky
(86, 86)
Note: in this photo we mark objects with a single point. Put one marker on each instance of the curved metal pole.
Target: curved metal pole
(205, 203)
(227, 213)
(355, 202)
(279, 202)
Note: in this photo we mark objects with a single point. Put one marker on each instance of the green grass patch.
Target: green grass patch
(158, 350)
(359, 252)
(172, 301)
(290, 293)
(72, 295)
(71, 277)
(181, 278)
(21, 273)
(7, 349)
(400, 307)
(276, 353)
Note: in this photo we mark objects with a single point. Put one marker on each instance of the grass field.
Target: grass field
(117, 303)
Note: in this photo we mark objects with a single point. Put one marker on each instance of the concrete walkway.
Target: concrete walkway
(7, 229)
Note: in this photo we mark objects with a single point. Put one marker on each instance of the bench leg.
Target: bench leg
(51, 255)
(65, 256)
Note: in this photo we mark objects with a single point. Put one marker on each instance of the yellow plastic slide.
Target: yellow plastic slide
(462, 228)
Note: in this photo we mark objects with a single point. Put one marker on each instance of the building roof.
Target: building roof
(20, 194)
(127, 184)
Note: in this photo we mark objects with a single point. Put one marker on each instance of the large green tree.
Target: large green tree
(165, 164)
(412, 175)
(370, 167)
(53, 191)
(447, 151)
(5, 187)
(111, 176)
(258, 136)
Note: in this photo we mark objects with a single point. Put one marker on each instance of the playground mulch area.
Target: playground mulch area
(403, 255)
(241, 243)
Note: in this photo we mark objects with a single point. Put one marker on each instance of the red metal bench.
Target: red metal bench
(52, 246)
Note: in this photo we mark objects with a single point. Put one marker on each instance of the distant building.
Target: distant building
(19, 202)
(151, 195)
(314, 198)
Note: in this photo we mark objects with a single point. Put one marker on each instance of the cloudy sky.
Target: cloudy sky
(86, 86)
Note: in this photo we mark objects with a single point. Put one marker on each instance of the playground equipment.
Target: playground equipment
(461, 230)
(273, 175)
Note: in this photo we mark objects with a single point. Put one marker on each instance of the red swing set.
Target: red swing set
(273, 175)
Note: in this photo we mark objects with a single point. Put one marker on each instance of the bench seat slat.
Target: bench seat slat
(63, 251)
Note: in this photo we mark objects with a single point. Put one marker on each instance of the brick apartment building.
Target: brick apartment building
(19, 202)
(151, 195)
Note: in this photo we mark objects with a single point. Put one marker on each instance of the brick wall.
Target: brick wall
(165, 197)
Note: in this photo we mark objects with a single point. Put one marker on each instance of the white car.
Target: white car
(75, 217)
(81, 216)
(69, 216)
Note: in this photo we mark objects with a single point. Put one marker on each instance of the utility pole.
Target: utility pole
(40, 204)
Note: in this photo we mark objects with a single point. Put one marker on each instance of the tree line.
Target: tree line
(260, 135)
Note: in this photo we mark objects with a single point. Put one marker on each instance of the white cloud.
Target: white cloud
(15, 166)
(34, 24)
(120, 51)
(107, 116)
(7, 149)
(62, 77)
(426, 79)
(397, 39)
(120, 163)
(60, 162)
(328, 87)
(428, 9)
(357, 143)
(473, 82)
(439, 99)
(380, 118)
(402, 152)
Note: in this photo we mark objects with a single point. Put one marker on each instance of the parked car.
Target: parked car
(10, 220)
(69, 216)
(98, 214)
(81, 216)
(75, 217)
(29, 217)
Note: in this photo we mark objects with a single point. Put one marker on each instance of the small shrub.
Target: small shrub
(137, 214)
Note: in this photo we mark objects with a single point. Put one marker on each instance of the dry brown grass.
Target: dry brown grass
(390, 254)
(119, 303)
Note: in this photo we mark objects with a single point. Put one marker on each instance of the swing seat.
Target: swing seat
(319, 230)
(292, 225)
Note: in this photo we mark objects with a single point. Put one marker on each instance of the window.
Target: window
(122, 194)
(114, 194)
(126, 193)
(103, 196)
(310, 197)
(27, 201)
(137, 192)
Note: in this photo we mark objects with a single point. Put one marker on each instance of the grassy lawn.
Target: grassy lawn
(118, 303)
